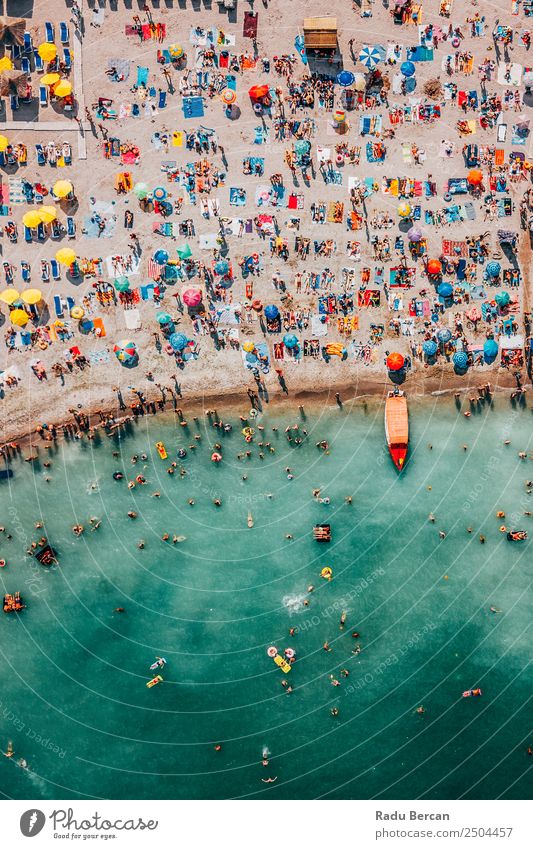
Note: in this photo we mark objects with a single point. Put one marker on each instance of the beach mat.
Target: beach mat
(249, 27)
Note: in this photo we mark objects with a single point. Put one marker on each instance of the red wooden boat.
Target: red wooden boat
(397, 427)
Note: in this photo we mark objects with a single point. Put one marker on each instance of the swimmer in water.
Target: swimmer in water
(132, 514)
(269, 780)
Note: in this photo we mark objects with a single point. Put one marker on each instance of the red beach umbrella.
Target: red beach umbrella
(395, 361)
(258, 91)
(475, 177)
(434, 266)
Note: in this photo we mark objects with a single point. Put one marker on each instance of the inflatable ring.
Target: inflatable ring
(447, 196)
(182, 453)
(117, 476)
(248, 431)
(43, 345)
(253, 413)
(2, 564)
(272, 651)
(327, 572)
(216, 457)
(290, 653)
(503, 529)
(257, 305)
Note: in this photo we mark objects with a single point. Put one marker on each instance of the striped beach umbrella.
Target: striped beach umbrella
(369, 56)
(228, 96)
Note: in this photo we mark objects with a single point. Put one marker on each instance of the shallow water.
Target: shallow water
(74, 700)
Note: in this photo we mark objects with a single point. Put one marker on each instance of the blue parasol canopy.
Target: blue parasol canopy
(445, 290)
(222, 266)
(271, 311)
(370, 56)
(290, 340)
(178, 341)
(430, 347)
(490, 349)
(460, 360)
(161, 257)
(493, 268)
(345, 78)
(408, 69)
(444, 334)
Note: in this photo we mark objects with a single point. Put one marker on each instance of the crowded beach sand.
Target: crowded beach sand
(261, 200)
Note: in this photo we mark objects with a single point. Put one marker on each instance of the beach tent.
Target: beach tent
(320, 33)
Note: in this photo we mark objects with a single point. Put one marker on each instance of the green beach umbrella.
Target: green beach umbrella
(121, 284)
(163, 318)
(184, 252)
(140, 190)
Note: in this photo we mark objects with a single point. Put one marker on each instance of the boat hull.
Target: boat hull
(397, 428)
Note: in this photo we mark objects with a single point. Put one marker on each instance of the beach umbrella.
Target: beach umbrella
(434, 266)
(249, 347)
(176, 51)
(490, 349)
(63, 88)
(408, 69)
(369, 56)
(50, 79)
(47, 51)
(290, 340)
(65, 256)
(19, 317)
(77, 313)
(6, 64)
(160, 193)
(62, 188)
(225, 281)
(415, 234)
(121, 284)
(339, 116)
(47, 213)
(444, 334)
(31, 218)
(445, 290)
(527, 79)
(271, 311)
(493, 268)
(4, 142)
(221, 266)
(460, 360)
(12, 29)
(164, 317)
(302, 147)
(32, 296)
(228, 96)
(185, 251)
(404, 210)
(125, 351)
(395, 361)
(359, 83)
(430, 348)
(502, 298)
(178, 341)
(140, 190)
(13, 81)
(9, 296)
(161, 257)
(192, 297)
(345, 78)
(257, 92)
(522, 122)
(251, 358)
(475, 177)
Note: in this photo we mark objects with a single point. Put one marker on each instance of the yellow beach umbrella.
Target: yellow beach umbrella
(6, 64)
(50, 79)
(32, 296)
(62, 188)
(3, 143)
(48, 214)
(66, 256)
(77, 312)
(9, 296)
(19, 317)
(31, 218)
(63, 88)
(47, 51)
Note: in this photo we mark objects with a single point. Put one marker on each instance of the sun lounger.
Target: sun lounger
(39, 64)
(55, 230)
(27, 45)
(41, 233)
(25, 66)
(14, 102)
(25, 271)
(49, 31)
(63, 32)
(16, 51)
(67, 58)
(43, 97)
(27, 235)
(162, 102)
(71, 227)
(56, 271)
(58, 306)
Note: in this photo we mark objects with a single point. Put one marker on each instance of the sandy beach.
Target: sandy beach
(218, 368)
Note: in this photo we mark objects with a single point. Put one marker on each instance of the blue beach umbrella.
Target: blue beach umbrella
(178, 341)
(493, 268)
(251, 358)
(490, 350)
(290, 340)
(222, 266)
(271, 311)
(445, 290)
(430, 348)
(369, 56)
(345, 78)
(160, 193)
(460, 360)
(502, 298)
(161, 257)
(408, 69)
(410, 84)
(444, 334)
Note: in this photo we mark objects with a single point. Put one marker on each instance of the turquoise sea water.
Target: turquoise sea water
(74, 700)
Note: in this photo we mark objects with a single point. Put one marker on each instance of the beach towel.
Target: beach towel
(193, 107)
(142, 75)
(16, 195)
(132, 319)
(249, 27)
(231, 82)
(97, 358)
